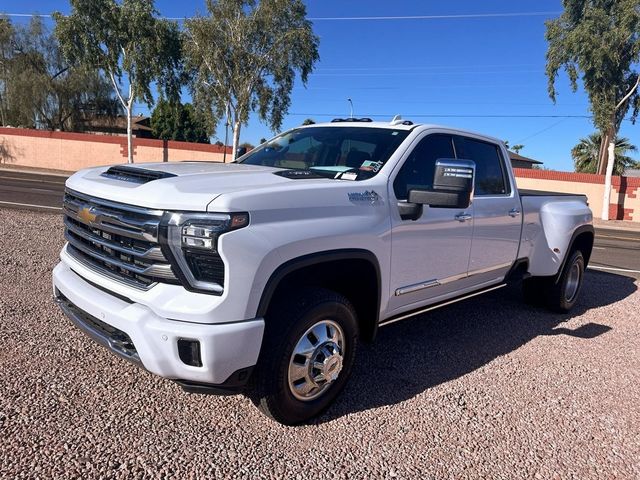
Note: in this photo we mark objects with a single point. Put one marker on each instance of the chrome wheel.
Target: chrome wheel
(573, 282)
(316, 361)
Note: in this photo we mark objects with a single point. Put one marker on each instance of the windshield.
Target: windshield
(350, 153)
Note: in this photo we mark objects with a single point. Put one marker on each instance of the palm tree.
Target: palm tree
(585, 155)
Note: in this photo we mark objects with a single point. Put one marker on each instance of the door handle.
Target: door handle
(463, 217)
(514, 212)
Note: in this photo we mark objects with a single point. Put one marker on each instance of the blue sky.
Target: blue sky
(452, 71)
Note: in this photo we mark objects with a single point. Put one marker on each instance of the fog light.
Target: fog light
(189, 352)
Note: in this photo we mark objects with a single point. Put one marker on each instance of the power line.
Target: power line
(429, 68)
(395, 74)
(554, 124)
(376, 18)
(440, 17)
(45, 15)
(447, 115)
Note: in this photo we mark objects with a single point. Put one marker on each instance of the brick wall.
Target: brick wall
(74, 151)
(625, 191)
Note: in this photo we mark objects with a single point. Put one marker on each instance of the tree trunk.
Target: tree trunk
(129, 134)
(2, 119)
(606, 199)
(236, 139)
(607, 137)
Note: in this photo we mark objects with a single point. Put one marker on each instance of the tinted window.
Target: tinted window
(490, 177)
(363, 150)
(417, 171)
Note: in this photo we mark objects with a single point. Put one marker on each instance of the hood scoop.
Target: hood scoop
(135, 175)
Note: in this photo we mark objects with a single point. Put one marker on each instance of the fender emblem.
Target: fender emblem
(367, 196)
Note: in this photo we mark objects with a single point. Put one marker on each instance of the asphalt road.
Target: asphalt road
(615, 251)
(31, 191)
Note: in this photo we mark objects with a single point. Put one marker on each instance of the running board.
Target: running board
(404, 316)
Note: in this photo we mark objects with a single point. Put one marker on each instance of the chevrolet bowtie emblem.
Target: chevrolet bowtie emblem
(86, 215)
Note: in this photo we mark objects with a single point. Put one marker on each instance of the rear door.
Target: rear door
(497, 219)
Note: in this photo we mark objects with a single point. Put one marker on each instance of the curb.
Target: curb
(37, 172)
(634, 227)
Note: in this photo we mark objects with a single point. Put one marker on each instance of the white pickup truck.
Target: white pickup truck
(261, 276)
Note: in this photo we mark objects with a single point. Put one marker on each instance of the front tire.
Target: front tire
(307, 356)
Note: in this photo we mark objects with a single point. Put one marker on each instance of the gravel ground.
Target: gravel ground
(486, 388)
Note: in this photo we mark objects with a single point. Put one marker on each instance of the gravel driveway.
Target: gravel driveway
(485, 388)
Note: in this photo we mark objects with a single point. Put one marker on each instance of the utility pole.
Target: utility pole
(351, 105)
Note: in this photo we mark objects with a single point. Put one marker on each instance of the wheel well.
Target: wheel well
(355, 278)
(584, 243)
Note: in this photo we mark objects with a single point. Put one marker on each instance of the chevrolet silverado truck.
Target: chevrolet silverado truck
(262, 275)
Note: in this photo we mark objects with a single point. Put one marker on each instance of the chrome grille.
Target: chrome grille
(119, 241)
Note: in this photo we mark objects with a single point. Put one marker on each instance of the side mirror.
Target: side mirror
(452, 185)
(452, 188)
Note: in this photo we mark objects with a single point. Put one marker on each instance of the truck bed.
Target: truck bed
(540, 193)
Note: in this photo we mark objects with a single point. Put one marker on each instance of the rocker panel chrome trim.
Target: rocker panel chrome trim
(438, 305)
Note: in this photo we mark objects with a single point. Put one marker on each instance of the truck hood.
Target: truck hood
(188, 186)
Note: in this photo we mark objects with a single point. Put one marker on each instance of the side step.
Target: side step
(444, 303)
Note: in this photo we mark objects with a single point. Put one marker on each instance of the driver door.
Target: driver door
(430, 255)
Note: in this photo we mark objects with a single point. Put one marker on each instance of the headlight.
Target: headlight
(192, 239)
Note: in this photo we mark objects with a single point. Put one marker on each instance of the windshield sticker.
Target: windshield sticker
(367, 196)
(371, 166)
(349, 176)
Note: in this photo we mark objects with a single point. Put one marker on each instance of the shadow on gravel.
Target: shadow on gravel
(410, 357)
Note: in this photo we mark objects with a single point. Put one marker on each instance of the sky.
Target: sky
(480, 68)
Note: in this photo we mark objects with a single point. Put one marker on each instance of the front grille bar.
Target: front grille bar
(93, 264)
(157, 270)
(113, 220)
(113, 224)
(116, 240)
(154, 253)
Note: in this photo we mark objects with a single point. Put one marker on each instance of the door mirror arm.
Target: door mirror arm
(410, 211)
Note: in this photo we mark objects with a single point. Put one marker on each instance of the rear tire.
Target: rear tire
(563, 294)
(558, 296)
(306, 357)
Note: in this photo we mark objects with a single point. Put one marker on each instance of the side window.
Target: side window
(417, 171)
(490, 174)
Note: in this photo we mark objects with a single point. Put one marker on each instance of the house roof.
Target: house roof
(139, 122)
(520, 158)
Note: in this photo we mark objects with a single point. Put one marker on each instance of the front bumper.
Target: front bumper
(135, 332)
